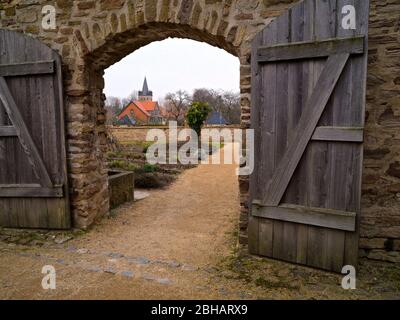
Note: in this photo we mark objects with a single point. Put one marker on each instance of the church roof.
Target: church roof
(145, 91)
(144, 106)
(147, 105)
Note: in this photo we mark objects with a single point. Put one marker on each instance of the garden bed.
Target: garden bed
(131, 157)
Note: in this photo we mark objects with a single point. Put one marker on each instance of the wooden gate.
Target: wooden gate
(33, 175)
(308, 98)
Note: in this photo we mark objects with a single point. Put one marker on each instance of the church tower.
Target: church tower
(145, 94)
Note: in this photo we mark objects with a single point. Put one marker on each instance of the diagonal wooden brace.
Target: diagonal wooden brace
(23, 134)
(307, 125)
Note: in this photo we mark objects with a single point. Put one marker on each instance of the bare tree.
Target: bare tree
(113, 107)
(132, 97)
(231, 107)
(177, 104)
(224, 102)
(209, 96)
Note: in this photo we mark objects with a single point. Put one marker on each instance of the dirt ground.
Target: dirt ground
(179, 243)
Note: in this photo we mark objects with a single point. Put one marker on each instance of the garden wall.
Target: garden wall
(129, 134)
(121, 188)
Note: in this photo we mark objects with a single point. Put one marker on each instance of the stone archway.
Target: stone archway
(116, 29)
(114, 50)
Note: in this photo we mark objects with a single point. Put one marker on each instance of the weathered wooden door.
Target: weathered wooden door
(308, 98)
(33, 178)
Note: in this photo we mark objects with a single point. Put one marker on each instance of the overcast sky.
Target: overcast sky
(171, 65)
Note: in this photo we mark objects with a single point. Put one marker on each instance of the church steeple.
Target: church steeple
(145, 87)
(145, 94)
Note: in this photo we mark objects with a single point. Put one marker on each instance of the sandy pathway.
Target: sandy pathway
(185, 228)
(176, 244)
(188, 222)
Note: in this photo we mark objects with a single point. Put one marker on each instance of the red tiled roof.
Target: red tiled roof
(146, 105)
(130, 107)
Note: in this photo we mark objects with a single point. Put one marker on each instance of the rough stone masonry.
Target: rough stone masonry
(93, 34)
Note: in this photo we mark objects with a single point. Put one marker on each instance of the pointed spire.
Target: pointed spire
(145, 89)
(145, 94)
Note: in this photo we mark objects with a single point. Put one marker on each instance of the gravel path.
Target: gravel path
(181, 230)
(179, 243)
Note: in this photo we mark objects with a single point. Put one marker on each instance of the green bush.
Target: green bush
(197, 115)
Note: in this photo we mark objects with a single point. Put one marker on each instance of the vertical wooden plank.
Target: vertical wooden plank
(4, 217)
(302, 244)
(56, 214)
(306, 247)
(62, 178)
(317, 249)
(5, 214)
(341, 153)
(307, 87)
(31, 214)
(266, 230)
(359, 72)
(256, 96)
(285, 234)
(21, 165)
(59, 123)
(278, 249)
(16, 212)
(18, 166)
(267, 103)
(295, 97)
(324, 28)
(282, 86)
(10, 161)
(3, 122)
(3, 153)
(318, 255)
(26, 96)
(296, 188)
(268, 125)
(268, 112)
(335, 250)
(340, 183)
(253, 235)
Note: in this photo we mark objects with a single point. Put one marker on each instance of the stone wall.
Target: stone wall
(93, 34)
(129, 134)
(380, 221)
